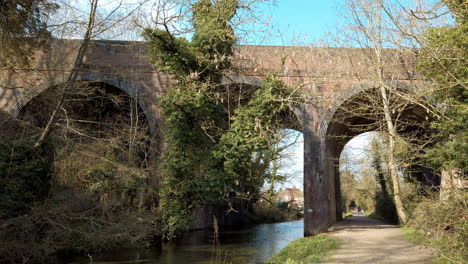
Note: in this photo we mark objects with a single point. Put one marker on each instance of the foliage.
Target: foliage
(443, 60)
(93, 167)
(22, 27)
(305, 250)
(24, 175)
(71, 222)
(208, 54)
(264, 212)
(96, 201)
(442, 225)
(385, 208)
(194, 118)
(210, 157)
(98, 194)
(245, 147)
(384, 204)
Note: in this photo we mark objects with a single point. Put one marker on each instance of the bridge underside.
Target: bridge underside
(358, 114)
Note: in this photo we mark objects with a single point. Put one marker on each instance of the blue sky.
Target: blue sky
(292, 21)
(301, 21)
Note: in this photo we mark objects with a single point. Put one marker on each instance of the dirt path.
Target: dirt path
(366, 240)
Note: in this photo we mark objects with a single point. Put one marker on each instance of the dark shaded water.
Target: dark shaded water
(249, 245)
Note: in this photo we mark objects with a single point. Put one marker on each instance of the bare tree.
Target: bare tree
(389, 107)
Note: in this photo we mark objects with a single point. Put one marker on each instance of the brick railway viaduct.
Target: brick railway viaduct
(327, 77)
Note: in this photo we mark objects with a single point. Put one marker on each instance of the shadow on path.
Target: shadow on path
(366, 240)
(357, 223)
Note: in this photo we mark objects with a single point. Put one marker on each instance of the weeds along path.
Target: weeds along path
(366, 240)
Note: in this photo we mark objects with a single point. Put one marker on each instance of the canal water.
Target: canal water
(242, 246)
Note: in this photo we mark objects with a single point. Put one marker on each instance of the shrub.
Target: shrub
(72, 222)
(385, 208)
(25, 175)
(443, 225)
(267, 213)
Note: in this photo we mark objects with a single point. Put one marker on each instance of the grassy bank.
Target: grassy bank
(305, 250)
(442, 225)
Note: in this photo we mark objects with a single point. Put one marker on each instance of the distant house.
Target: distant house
(293, 195)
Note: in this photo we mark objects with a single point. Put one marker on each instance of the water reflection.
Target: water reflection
(250, 245)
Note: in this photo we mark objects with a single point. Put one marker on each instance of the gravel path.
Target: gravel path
(366, 240)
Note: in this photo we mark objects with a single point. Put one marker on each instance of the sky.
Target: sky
(291, 22)
(302, 21)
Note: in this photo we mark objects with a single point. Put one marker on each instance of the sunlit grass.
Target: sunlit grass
(305, 250)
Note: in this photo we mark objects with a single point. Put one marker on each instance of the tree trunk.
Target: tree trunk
(71, 78)
(449, 181)
(274, 171)
(391, 158)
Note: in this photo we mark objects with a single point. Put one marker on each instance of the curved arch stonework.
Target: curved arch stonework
(337, 103)
(125, 65)
(343, 97)
(330, 140)
(130, 87)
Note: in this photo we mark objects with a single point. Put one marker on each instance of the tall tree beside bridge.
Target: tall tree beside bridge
(443, 60)
(397, 110)
(436, 32)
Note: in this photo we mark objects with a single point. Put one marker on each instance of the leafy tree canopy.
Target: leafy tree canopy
(443, 59)
(22, 27)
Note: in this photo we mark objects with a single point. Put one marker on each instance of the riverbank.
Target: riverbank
(306, 250)
(357, 239)
(249, 245)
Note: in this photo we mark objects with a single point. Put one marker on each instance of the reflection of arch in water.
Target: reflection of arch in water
(135, 91)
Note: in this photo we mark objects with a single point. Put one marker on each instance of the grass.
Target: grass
(442, 225)
(305, 250)
(411, 234)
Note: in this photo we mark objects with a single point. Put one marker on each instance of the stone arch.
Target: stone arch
(130, 87)
(327, 117)
(334, 136)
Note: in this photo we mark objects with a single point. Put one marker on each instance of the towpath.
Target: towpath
(366, 240)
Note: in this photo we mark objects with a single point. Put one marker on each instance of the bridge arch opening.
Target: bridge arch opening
(95, 114)
(281, 166)
(365, 184)
(361, 112)
(286, 172)
(290, 163)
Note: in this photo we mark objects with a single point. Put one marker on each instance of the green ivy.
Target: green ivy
(210, 159)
